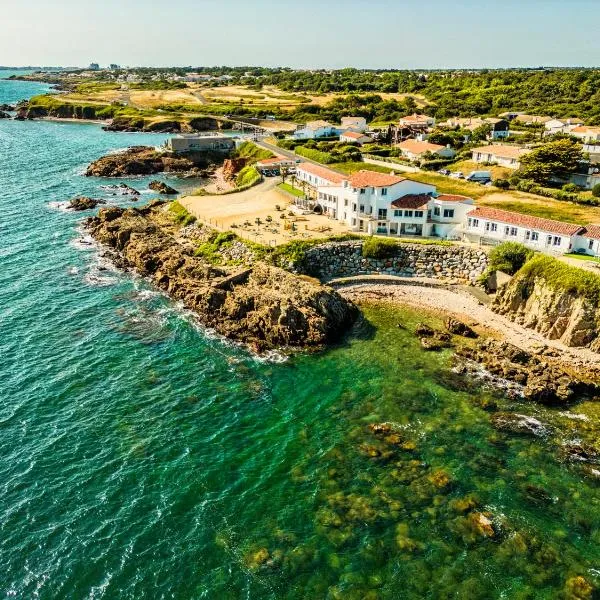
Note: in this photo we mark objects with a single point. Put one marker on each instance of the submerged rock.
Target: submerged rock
(262, 306)
(162, 188)
(517, 423)
(4, 115)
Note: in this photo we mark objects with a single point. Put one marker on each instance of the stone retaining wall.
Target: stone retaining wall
(344, 259)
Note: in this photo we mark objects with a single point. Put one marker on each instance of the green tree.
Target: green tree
(508, 257)
(596, 191)
(557, 158)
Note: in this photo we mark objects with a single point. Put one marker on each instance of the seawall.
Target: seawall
(344, 259)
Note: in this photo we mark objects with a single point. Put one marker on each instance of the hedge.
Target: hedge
(316, 155)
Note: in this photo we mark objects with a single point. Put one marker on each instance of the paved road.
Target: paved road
(293, 156)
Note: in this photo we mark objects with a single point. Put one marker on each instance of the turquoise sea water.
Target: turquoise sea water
(141, 457)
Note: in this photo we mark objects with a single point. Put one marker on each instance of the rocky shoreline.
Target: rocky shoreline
(147, 160)
(261, 306)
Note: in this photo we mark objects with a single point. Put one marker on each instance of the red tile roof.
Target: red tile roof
(412, 201)
(353, 134)
(454, 198)
(417, 147)
(322, 172)
(592, 231)
(513, 218)
(274, 160)
(364, 178)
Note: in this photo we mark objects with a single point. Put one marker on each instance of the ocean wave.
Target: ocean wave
(62, 206)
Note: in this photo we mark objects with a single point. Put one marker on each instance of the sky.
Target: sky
(403, 34)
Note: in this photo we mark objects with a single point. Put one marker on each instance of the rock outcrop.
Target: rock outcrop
(232, 166)
(4, 115)
(84, 203)
(557, 312)
(540, 380)
(261, 305)
(162, 188)
(146, 160)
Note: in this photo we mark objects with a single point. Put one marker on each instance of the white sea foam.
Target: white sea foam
(62, 206)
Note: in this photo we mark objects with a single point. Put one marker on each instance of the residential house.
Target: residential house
(201, 143)
(586, 133)
(531, 119)
(495, 225)
(417, 122)
(586, 177)
(316, 129)
(415, 149)
(505, 156)
(354, 137)
(357, 124)
(561, 125)
(500, 128)
(589, 240)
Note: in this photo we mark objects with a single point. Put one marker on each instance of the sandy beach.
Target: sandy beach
(459, 301)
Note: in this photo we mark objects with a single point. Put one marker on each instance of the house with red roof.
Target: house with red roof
(416, 149)
(353, 137)
(490, 225)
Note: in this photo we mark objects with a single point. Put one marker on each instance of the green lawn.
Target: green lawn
(286, 187)
(352, 167)
(584, 257)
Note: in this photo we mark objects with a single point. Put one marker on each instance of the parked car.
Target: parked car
(444, 172)
(457, 175)
(479, 176)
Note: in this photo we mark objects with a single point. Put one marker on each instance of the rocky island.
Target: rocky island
(261, 305)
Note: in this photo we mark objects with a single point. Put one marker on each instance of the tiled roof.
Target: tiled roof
(364, 178)
(454, 198)
(592, 231)
(322, 172)
(501, 151)
(353, 135)
(417, 147)
(513, 218)
(412, 201)
(416, 119)
(585, 129)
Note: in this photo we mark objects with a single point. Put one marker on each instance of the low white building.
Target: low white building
(316, 129)
(358, 124)
(201, 143)
(586, 133)
(505, 156)
(561, 125)
(316, 176)
(489, 225)
(353, 137)
(589, 240)
(276, 162)
(416, 149)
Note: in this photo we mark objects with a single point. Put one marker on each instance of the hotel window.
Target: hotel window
(527, 235)
(487, 225)
(354, 190)
(475, 222)
(397, 213)
(535, 236)
(591, 245)
(448, 213)
(436, 211)
(418, 213)
(384, 191)
(512, 231)
(362, 208)
(494, 226)
(549, 240)
(382, 214)
(345, 201)
(354, 207)
(557, 240)
(363, 190)
(353, 221)
(408, 213)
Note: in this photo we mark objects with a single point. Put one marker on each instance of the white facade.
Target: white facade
(416, 149)
(544, 235)
(358, 124)
(588, 134)
(504, 156)
(354, 137)
(316, 129)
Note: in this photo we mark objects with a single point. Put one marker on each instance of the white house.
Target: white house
(415, 149)
(586, 133)
(589, 240)
(505, 156)
(358, 124)
(561, 125)
(354, 137)
(417, 121)
(492, 224)
(316, 129)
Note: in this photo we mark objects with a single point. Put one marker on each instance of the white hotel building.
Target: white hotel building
(385, 203)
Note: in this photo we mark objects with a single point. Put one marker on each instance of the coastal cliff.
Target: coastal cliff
(554, 299)
(260, 305)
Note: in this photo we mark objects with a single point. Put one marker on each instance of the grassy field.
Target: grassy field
(584, 257)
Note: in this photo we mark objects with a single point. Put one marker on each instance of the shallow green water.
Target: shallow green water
(141, 457)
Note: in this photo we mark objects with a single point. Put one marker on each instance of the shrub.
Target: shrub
(374, 247)
(247, 177)
(508, 257)
(503, 184)
(596, 191)
(570, 187)
(252, 152)
(181, 215)
(316, 155)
